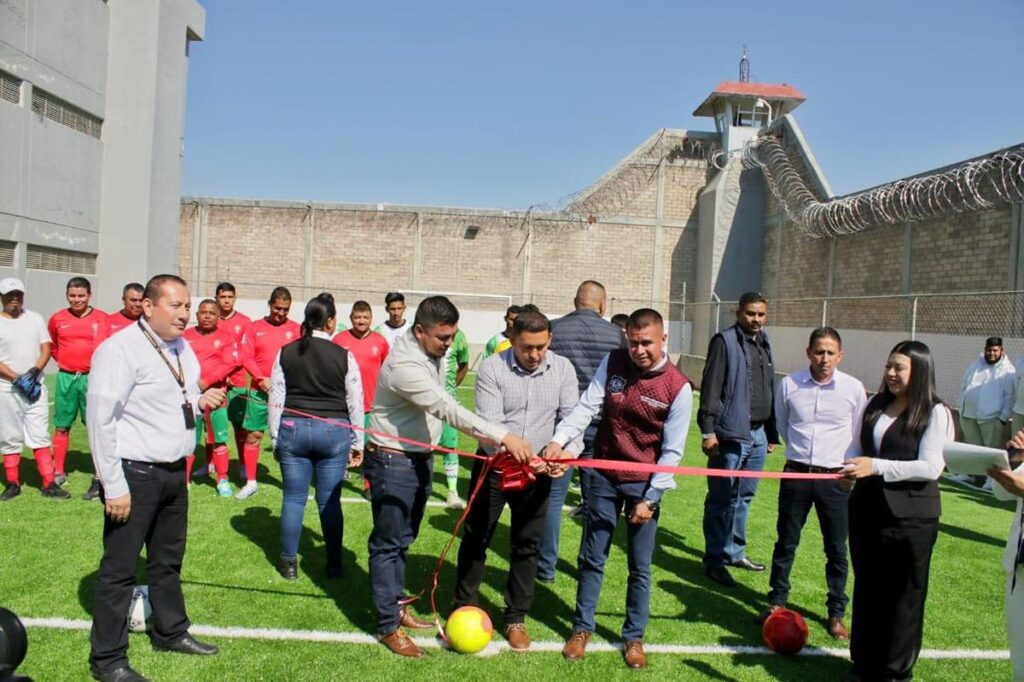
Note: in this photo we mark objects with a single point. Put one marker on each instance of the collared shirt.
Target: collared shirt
(1015, 541)
(930, 461)
(760, 378)
(411, 402)
(987, 391)
(677, 425)
(819, 421)
(133, 408)
(353, 395)
(529, 404)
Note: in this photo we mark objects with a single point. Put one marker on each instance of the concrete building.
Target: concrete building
(92, 109)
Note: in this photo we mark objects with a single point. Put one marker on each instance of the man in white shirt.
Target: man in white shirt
(24, 406)
(142, 405)
(987, 395)
(817, 413)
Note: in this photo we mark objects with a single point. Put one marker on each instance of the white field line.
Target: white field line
(498, 646)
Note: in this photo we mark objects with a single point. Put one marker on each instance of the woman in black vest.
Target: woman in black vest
(315, 393)
(894, 514)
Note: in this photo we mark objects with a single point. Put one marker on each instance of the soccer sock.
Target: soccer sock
(451, 469)
(220, 462)
(250, 455)
(189, 461)
(240, 435)
(44, 464)
(11, 463)
(60, 450)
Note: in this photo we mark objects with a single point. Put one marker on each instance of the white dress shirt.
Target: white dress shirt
(133, 407)
(353, 396)
(818, 421)
(988, 391)
(1010, 553)
(929, 463)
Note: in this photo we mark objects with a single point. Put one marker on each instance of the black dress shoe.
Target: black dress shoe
(720, 575)
(748, 565)
(125, 674)
(188, 645)
(288, 568)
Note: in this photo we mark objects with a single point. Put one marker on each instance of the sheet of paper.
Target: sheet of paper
(974, 460)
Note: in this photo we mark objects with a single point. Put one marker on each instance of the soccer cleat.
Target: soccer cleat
(247, 491)
(60, 479)
(10, 492)
(224, 488)
(94, 490)
(53, 490)
(454, 501)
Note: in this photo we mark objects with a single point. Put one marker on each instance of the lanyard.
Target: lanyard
(179, 377)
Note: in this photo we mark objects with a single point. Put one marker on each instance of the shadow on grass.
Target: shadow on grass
(970, 535)
(982, 497)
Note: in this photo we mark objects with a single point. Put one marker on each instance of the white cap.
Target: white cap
(9, 284)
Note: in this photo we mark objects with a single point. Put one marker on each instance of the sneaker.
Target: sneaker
(201, 472)
(224, 488)
(10, 492)
(60, 479)
(454, 501)
(247, 491)
(53, 490)
(94, 490)
(578, 512)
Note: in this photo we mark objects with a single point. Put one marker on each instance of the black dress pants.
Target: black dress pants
(158, 521)
(529, 509)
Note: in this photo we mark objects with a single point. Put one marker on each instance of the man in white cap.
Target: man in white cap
(24, 351)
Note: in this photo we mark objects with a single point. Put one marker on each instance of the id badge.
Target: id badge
(190, 416)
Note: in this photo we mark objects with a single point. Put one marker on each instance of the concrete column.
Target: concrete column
(527, 258)
(417, 247)
(307, 273)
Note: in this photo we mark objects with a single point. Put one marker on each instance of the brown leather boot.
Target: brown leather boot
(576, 646)
(407, 619)
(399, 643)
(517, 638)
(633, 651)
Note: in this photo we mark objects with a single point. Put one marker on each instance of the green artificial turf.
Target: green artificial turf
(50, 550)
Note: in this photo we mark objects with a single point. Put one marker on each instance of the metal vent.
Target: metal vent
(59, 260)
(56, 109)
(10, 87)
(7, 254)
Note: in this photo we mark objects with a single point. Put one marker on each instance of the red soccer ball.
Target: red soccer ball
(785, 632)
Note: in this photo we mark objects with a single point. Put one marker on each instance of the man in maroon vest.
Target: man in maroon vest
(644, 404)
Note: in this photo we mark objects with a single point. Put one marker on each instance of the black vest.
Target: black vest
(906, 499)
(315, 380)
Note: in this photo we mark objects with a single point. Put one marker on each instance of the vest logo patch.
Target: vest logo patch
(616, 384)
(653, 403)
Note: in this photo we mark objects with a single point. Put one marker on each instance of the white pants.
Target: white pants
(1015, 623)
(22, 424)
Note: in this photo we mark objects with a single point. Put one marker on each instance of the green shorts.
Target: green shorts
(218, 420)
(255, 411)
(236, 404)
(70, 399)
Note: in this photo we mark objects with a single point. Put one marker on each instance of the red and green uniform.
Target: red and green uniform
(115, 322)
(458, 354)
(238, 381)
(218, 358)
(73, 340)
(260, 346)
(370, 353)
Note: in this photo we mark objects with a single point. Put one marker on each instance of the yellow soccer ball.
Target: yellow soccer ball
(468, 629)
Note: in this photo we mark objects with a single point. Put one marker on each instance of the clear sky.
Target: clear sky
(505, 105)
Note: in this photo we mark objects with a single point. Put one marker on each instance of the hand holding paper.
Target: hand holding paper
(973, 460)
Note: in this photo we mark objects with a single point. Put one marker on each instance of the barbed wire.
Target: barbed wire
(968, 187)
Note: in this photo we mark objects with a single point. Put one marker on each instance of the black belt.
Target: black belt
(756, 425)
(802, 468)
(178, 465)
(373, 447)
(74, 374)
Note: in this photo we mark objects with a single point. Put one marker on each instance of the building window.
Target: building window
(59, 260)
(7, 254)
(56, 109)
(10, 87)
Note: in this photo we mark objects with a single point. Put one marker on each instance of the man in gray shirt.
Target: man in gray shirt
(528, 390)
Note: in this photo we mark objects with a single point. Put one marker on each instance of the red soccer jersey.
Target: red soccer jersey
(115, 322)
(261, 344)
(217, 352)
(75, 338)
(369, 353)
(236, 325)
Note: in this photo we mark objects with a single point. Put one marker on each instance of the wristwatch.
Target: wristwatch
(652, 505)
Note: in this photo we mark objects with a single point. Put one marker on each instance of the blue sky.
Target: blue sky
(506, 105)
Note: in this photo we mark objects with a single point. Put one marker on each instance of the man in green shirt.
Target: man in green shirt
(456, 367)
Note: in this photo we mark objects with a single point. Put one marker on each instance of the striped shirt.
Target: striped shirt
(528, 404)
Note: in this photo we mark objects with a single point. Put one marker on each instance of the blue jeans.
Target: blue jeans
(605, 500)
(305, 445)
(548, 550)
(399, 488)
(728, 500)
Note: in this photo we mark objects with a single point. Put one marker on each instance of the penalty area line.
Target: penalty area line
(496, 647)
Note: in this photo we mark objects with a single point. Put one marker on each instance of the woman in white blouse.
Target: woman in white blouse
(894, 514)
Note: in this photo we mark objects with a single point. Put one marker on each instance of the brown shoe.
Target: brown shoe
(517, 638)
(634, 653)
(407, 619)
(400, 644)
(837, 629)
(763, 616)
(576, 646)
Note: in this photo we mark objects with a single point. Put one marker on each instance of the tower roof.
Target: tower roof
(789, 96)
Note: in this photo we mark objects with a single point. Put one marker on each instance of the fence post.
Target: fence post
(913, 320)
(824, 312)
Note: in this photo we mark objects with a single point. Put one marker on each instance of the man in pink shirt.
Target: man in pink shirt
(236, 324)
(131, 297)
(260, 346)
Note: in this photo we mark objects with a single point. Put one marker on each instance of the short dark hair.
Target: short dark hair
(79, 283)
(994, 341)
(620, 320)
(532, 321)
(435, 310)
(752, 297)
(825, 333)
(155, 285)
(224, 286)
(393, 296)
(280, 294)
(529, 308)
(645, 317)
(361, 307)
(132, 286)
(513, 310)
(206, 301)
